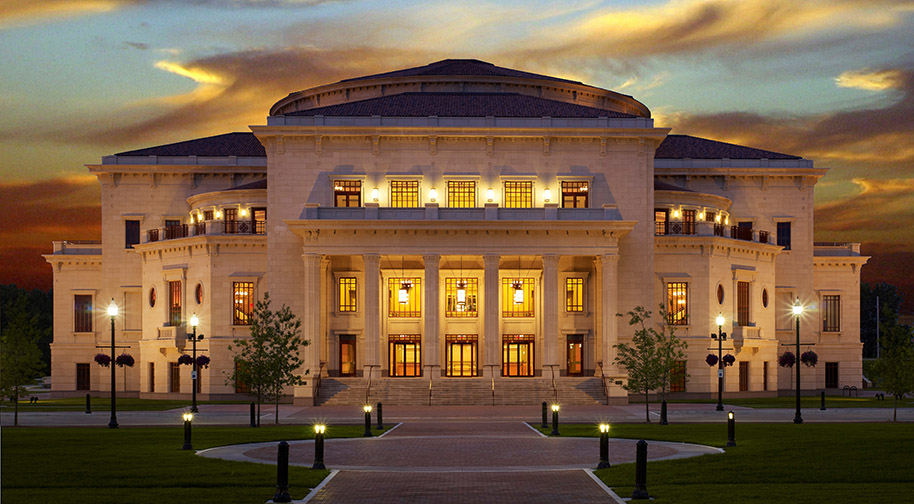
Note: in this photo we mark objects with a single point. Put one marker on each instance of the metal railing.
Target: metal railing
(603, 382)
(368, 389)
(555, 390)
(317, 381)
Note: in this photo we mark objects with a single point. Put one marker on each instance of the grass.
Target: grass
(145, 465)
(104, 404)
(806, 402)
(809, 463)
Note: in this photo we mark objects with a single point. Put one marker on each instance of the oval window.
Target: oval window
(152, 297)
(198, 293)
(765, 298)
(720, 294)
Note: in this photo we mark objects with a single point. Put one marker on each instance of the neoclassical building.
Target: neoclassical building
(456, 233)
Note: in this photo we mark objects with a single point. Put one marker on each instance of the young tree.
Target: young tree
(895, 372)
(269, 360)
(20, 356)
(650, 357)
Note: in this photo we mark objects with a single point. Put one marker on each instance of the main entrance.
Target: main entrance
(405, 356)
(461, 354)
(347, 355)
(575, 354)
(517, 355)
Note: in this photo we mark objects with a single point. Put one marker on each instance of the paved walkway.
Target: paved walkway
(460, 461)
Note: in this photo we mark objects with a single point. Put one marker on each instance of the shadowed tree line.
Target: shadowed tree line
(37, 307)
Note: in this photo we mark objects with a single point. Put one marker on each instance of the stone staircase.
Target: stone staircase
(461, 391)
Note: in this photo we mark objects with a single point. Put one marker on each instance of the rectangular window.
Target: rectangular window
(661, 218)
(347, 193)
(231, 220)
(574, 194)
(831, 316)
(831, 375)
(405, 354)
(710, 216)
(259, 216)
(519, 194)
(404, 193)
(677, 301)
(152, 376)
(742, 303)
(461, 304)
(243, 293)
(574, 294)
(743, 376)
(404, 297)
(517, 297)
(207, 215)
(172, 223)
(131, 233)
(174, 377)
(744, 231)
(688, 222)
(678, 376)
(461, 194)
(348, 294)
(82, 313)
(82, 377)
(784, 235)
(174, 303)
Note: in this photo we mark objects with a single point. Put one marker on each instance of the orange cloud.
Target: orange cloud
(19, 12)
(871, 80)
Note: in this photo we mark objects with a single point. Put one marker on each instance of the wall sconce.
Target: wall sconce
(727, 222)
(218, 214)
(675, 214)
(433, 194)
(375, 194)
(244, 212)
(199, 217)
(547, 195)
(717, 219)
(490, 195)
(191, 219)
(701, 216)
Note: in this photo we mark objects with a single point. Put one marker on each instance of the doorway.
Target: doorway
(743, 376)
(347, 355)
(461, 354)
(405, 357)
(517, 355)
(575, 355)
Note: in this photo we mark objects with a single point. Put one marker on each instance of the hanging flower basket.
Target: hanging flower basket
(202, 361)
(729, 360)
(809, 358)
(103, 360)
(711, 359)
(787, 360)
(185, 359)
(125, 359)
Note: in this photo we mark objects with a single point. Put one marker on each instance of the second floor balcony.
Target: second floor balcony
(677, 228)
(213, 227)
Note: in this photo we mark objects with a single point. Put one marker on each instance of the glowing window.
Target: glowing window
(461, 194)
(82, 310)
(243, 293)
(461, 305)
(404, 304)
(404, 193)
(574, 194)
(514, 303)
(347, 193)
(677, 297)
(831, 317)
(519, 194)
(348, 294)
(174, 303)
(574, 294)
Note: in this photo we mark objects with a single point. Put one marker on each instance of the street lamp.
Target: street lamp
(720, 337)
(194, 322)
(112, 312)
(367, 409)
(188, 418)
(797, 311)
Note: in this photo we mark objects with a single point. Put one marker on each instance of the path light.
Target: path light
(604, 447)
(188, 418)
(731, 429)
(319, 446)
(367, 409)
(555, 420)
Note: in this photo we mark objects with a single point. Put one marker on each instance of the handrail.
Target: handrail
(603, 382)
(430, 380)
(555, 391)
(317, 385)
(368, 390)
(493, 380)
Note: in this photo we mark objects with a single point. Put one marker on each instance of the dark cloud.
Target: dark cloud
(890, 265)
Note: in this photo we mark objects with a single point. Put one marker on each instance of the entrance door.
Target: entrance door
(461, 354)
(743, 376)
(517, 355)
(347, 355)
(405, 359)
(575, 353)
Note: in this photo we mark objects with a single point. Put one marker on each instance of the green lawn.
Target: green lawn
(104, 404)
(807, 402)
(145, 465)
(809, 463)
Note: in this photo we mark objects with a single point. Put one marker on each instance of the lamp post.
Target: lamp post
(367, 409)
(604, 446)
(720, 337)
(188, 418)
(112, 312)
(194, 322)
(319, 446)
(555, 420)
(797, 311)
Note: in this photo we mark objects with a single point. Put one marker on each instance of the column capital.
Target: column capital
(431, 258)
(550, 260)
(372, 259)
(607, 259)
(491, 260)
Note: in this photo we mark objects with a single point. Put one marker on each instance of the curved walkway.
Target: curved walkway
(460, 461)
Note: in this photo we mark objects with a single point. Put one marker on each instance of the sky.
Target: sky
(831, 80)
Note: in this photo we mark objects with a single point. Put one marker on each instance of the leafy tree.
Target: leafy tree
(895, 372)
(650, 356)
(269, 360)
(890, 301)
(20, 357)
(40, 306)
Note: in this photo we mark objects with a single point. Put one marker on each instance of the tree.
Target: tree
(20, 356)
(269, 360)
(651, 355)
(895, 372)
(889, 306)
(40, 308)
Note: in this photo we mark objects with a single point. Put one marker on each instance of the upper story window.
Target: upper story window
(461, 296)
(174, 303)
(831, 315)
(461, 194)
(243, 301)
(744, 230)
(82, 313)
(688, 222)
(677, 300)
(661, 217)
(259, 216)
(517, 297)
(348, 294)
(347, 193)
(519, 194)
(131, 233)
(784, 235)
(574, 194)
(710, 216)
(574, 294)
(231, 220)
(404, 193)
(742, 303)
(404, 296)
(207, 215)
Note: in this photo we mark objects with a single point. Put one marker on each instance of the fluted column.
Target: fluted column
(311, 316)
(371, 354)
(550, 311)
(430, 338)
(609, 307)
(492, 339)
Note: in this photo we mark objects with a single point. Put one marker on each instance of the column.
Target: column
(370, 350)
(550, 312)
(491, 338)
(430, 336)
(311, 316)
(608, 285)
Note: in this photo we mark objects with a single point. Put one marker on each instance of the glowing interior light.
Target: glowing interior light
(461, 293)
(490, 195)
(403, 292)
(518, 291)
(375, 194)
(547, 195)
(433, 195)
(585, 188)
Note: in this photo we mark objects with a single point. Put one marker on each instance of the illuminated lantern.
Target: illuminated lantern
(518, 286)
(403, 293)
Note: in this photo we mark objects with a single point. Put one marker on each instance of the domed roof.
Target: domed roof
(454, 87)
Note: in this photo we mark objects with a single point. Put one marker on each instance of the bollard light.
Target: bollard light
(188, 418)
(367, 409)
(319, 446)
(282, 474)
(640, 471)
(88, 404)
(380, 418)
(604, 447)
(545, 422)
(663, 417)
(731, 429)
(555, 420)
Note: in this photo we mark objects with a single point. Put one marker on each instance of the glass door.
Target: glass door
(517, 355)
(461, 354)
(347, 355)
(575, 354)
(405, 359)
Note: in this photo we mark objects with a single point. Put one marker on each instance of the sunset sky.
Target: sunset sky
(829, 80)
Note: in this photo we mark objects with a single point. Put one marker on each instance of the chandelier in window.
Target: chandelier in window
(518, 286)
